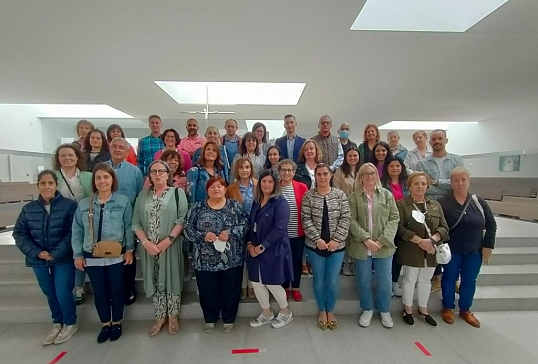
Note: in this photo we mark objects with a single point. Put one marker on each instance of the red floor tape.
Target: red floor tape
(422, 348)
(57, 359)
(248, 351)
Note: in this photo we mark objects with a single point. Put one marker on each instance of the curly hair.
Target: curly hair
(81, 159)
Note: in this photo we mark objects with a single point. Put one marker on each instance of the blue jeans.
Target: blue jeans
(383, 267)
(80, 277)
(326, 271)
(468, 266)
(57, 284)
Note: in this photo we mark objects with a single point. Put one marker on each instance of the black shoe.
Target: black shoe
(129, 297)
(428, 319)
(408, 319)
(116, 332)
(104, 334)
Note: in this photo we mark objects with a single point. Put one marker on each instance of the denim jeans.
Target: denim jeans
(80, 277)
(57, 284)
(468, 266)
(107, 285)
(326, 271)
(383, 276)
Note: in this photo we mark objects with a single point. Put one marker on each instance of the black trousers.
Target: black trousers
(220, 292)
(107, 285)
(396, 269)
(297, 248)
(129, 274)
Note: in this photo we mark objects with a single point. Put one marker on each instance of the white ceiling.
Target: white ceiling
(111, 52)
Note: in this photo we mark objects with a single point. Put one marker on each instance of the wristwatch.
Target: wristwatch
(172, 238)
(262, 248)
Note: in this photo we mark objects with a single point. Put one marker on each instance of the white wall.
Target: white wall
(20, 130)
(489, 167)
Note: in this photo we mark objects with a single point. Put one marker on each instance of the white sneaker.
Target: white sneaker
(396, 289)
(386, 320)
(282, 320)
(67, 332)
(366, 318)
(346, 269)
(49, 340)
(262, 320)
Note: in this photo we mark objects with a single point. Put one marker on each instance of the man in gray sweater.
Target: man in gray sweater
(331, 148)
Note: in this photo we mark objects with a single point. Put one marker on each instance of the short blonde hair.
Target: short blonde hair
(361, 171)
(415, 175)
(460, 170)
(420, 132)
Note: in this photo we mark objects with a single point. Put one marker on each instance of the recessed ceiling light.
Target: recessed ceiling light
(421, 125)
(275, 128)
(69, 110)
(424, 15)
(233, 93)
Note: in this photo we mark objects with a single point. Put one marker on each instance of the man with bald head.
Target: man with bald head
(343, 132)
(333, 154)
(192, 141)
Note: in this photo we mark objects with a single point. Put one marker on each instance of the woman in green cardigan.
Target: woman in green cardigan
(158, 222)
(374, 221)
(73, 183)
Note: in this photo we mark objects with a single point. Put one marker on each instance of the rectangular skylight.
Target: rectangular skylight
(424, 15)
(233, 93)
(275, 128)
(69, 110)
(421, 125)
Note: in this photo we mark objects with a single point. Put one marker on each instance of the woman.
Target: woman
(115, 131)
(382, 154)
(96, 149)
(420, 152)
(217, 227)
(171, 140)
(269, 252)
(395, 180)
(260, 130)
(209, 165)
(73, 183)
(242, 191)
(159, 216)
(212, 135)
(421, 226)
(249, 148)
(175, 162)
(309, 157)
(370, 138)
(43, 234)
(472, 239)
(273, 156)
(104, 216)
(346, 179)
(374, 221)
(293, 192)
(83, 129)
(325, 217)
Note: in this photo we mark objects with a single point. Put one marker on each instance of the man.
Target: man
(148, 146)
(333, 154)
(290, 145)
(193, 141)
(438, 166)
(420, 152)
(231, 141)
(344, 132)
(398, 150)
(130, 184)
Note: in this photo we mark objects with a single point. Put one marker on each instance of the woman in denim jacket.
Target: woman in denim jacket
(112, 219)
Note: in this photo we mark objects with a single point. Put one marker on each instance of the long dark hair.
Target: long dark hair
(243, 146)
(267, 164)
(402, 178)
(385, 145)
(256, 126)
(346, 167)
(87, 145)
(114, 127)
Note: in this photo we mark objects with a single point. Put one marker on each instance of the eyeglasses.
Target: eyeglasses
(251, 140)
(369, 174)
(286, 170)
(170, 137)
(157, 171)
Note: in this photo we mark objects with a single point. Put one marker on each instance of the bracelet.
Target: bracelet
(144, 242)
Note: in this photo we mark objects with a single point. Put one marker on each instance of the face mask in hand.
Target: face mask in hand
(344, 134)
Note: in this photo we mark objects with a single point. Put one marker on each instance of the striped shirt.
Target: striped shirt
(293, 223)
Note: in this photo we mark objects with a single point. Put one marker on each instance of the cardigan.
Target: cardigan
(409, 253)
(171, 267)
(385, 215)
(347, 184)
(85, 182)
(312, 215)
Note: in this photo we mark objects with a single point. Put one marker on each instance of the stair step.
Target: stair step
(514, 256)
(514, 242)
(503, 275)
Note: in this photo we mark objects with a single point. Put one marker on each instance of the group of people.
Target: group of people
(249, 214)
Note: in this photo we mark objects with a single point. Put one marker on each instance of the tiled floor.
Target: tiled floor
(503, 338)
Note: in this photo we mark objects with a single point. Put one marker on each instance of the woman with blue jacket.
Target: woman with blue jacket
(111, 218)
(43, 234)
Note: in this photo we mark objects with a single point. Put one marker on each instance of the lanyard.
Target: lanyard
(424, 213)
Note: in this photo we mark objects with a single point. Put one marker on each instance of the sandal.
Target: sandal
(173, 325)
(333, 325)
(323, 325)
(157, 327)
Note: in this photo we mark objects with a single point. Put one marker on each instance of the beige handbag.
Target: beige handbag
(103, 248)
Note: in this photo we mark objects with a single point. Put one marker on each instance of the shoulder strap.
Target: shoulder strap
(176, 194)
(67, 183)
(90, 217)
(461, 215)
(479, 205)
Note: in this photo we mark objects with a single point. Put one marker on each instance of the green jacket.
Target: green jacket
(408, 252)
(85, 182)
(385, 216)
(171, 261)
